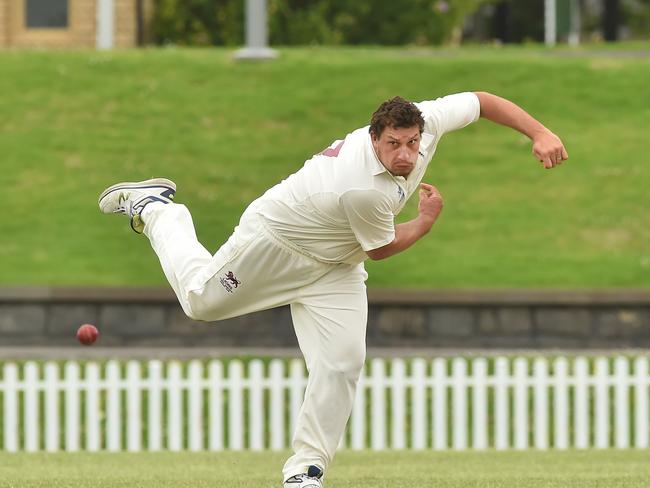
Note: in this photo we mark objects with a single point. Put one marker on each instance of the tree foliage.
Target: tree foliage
(301, 22)
(198, 22)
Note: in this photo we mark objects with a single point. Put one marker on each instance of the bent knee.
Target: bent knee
(197, 309)
(194, 315)
(198, 306)
(349, 361)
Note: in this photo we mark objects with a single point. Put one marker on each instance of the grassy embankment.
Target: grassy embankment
(75, 122)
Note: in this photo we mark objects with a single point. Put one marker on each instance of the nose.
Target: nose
(403, 154)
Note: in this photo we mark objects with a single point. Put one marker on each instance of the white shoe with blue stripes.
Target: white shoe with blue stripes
(129, 198)
(311, 479)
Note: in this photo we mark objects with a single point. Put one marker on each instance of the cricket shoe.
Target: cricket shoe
(129, 198)
(311, 479)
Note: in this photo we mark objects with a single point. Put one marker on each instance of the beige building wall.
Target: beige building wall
(84, 13)
(126, 27)
(3, 23)
(82, 26)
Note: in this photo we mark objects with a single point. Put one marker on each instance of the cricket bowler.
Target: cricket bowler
(303, 244)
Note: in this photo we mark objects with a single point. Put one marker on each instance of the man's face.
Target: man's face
(397, 149)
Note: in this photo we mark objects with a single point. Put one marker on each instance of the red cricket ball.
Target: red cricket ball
(87, 334)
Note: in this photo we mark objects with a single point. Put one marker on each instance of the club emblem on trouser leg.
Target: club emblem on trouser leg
(230, 281)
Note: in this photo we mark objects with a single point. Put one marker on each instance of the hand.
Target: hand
(431, 202)
(548, 149)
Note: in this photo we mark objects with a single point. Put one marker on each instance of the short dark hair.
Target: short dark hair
(398, 113)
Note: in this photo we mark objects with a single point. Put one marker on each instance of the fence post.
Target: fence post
(235, 406)
(93, 436)
(256, 405)
(479, 404)
(540, 370)
(440, 417)
(113, 407)
(501, 409)
(52, 430)
(72, 387)
(418, 417)
(622, 403)
(521, 403)
(31, 407)
(398, 402)
(459, 395)
(581, 403)
(195, 406)
(641, 403)
(378, 405)
(133, 407)
(174, 407)
(561, 399)
(154, 377)
(601, 406)
(10, 407)
(216, 405)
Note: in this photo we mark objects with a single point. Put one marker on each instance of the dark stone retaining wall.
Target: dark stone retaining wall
(397, 318)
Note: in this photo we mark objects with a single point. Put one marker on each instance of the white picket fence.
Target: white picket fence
(457, 403)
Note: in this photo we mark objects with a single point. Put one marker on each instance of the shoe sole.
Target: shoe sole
(152, 183)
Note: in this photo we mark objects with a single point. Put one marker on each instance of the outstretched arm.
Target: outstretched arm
(547, 147)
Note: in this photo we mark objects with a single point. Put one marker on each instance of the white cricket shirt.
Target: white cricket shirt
(343, 201)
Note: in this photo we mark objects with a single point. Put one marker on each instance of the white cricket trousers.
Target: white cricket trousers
(256, 270)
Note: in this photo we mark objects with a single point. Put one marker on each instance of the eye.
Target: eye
(393, 143)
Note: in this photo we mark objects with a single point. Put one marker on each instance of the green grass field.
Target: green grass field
(589, 469)
(75, 122)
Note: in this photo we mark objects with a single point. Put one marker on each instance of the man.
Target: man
(304, 241)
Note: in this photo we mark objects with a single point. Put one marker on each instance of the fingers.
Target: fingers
(426, 190)
(543, 158)
(549, 150)
(556, 159)
(559, 156)
(431, 202)
(553, 158)
(429, 195)
(429, 190)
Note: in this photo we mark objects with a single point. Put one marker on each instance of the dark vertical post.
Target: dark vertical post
(139, 22)
(611, 19)
(502, 21)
